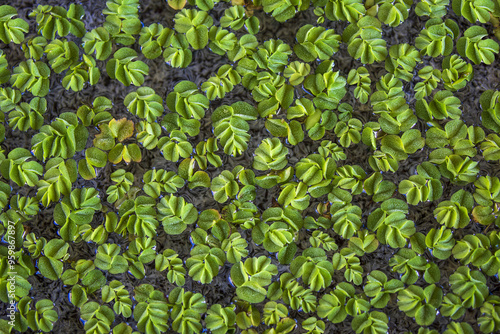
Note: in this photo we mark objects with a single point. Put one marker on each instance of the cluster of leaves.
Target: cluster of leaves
(268, 201)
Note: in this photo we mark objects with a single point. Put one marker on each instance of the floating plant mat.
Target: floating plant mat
(249, 167)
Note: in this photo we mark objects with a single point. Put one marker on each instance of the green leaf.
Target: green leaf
(425, 315)
(472, 46)
(95, 157)
(198, 37)
(176, 214)
(78, 296)
(177, 4)
(50, 268)
(286, 254)
(432, 274)
(412, 141)
(394, 146)
(251, 292)
(56, 249)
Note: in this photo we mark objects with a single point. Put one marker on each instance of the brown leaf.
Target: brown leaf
(121, 129)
